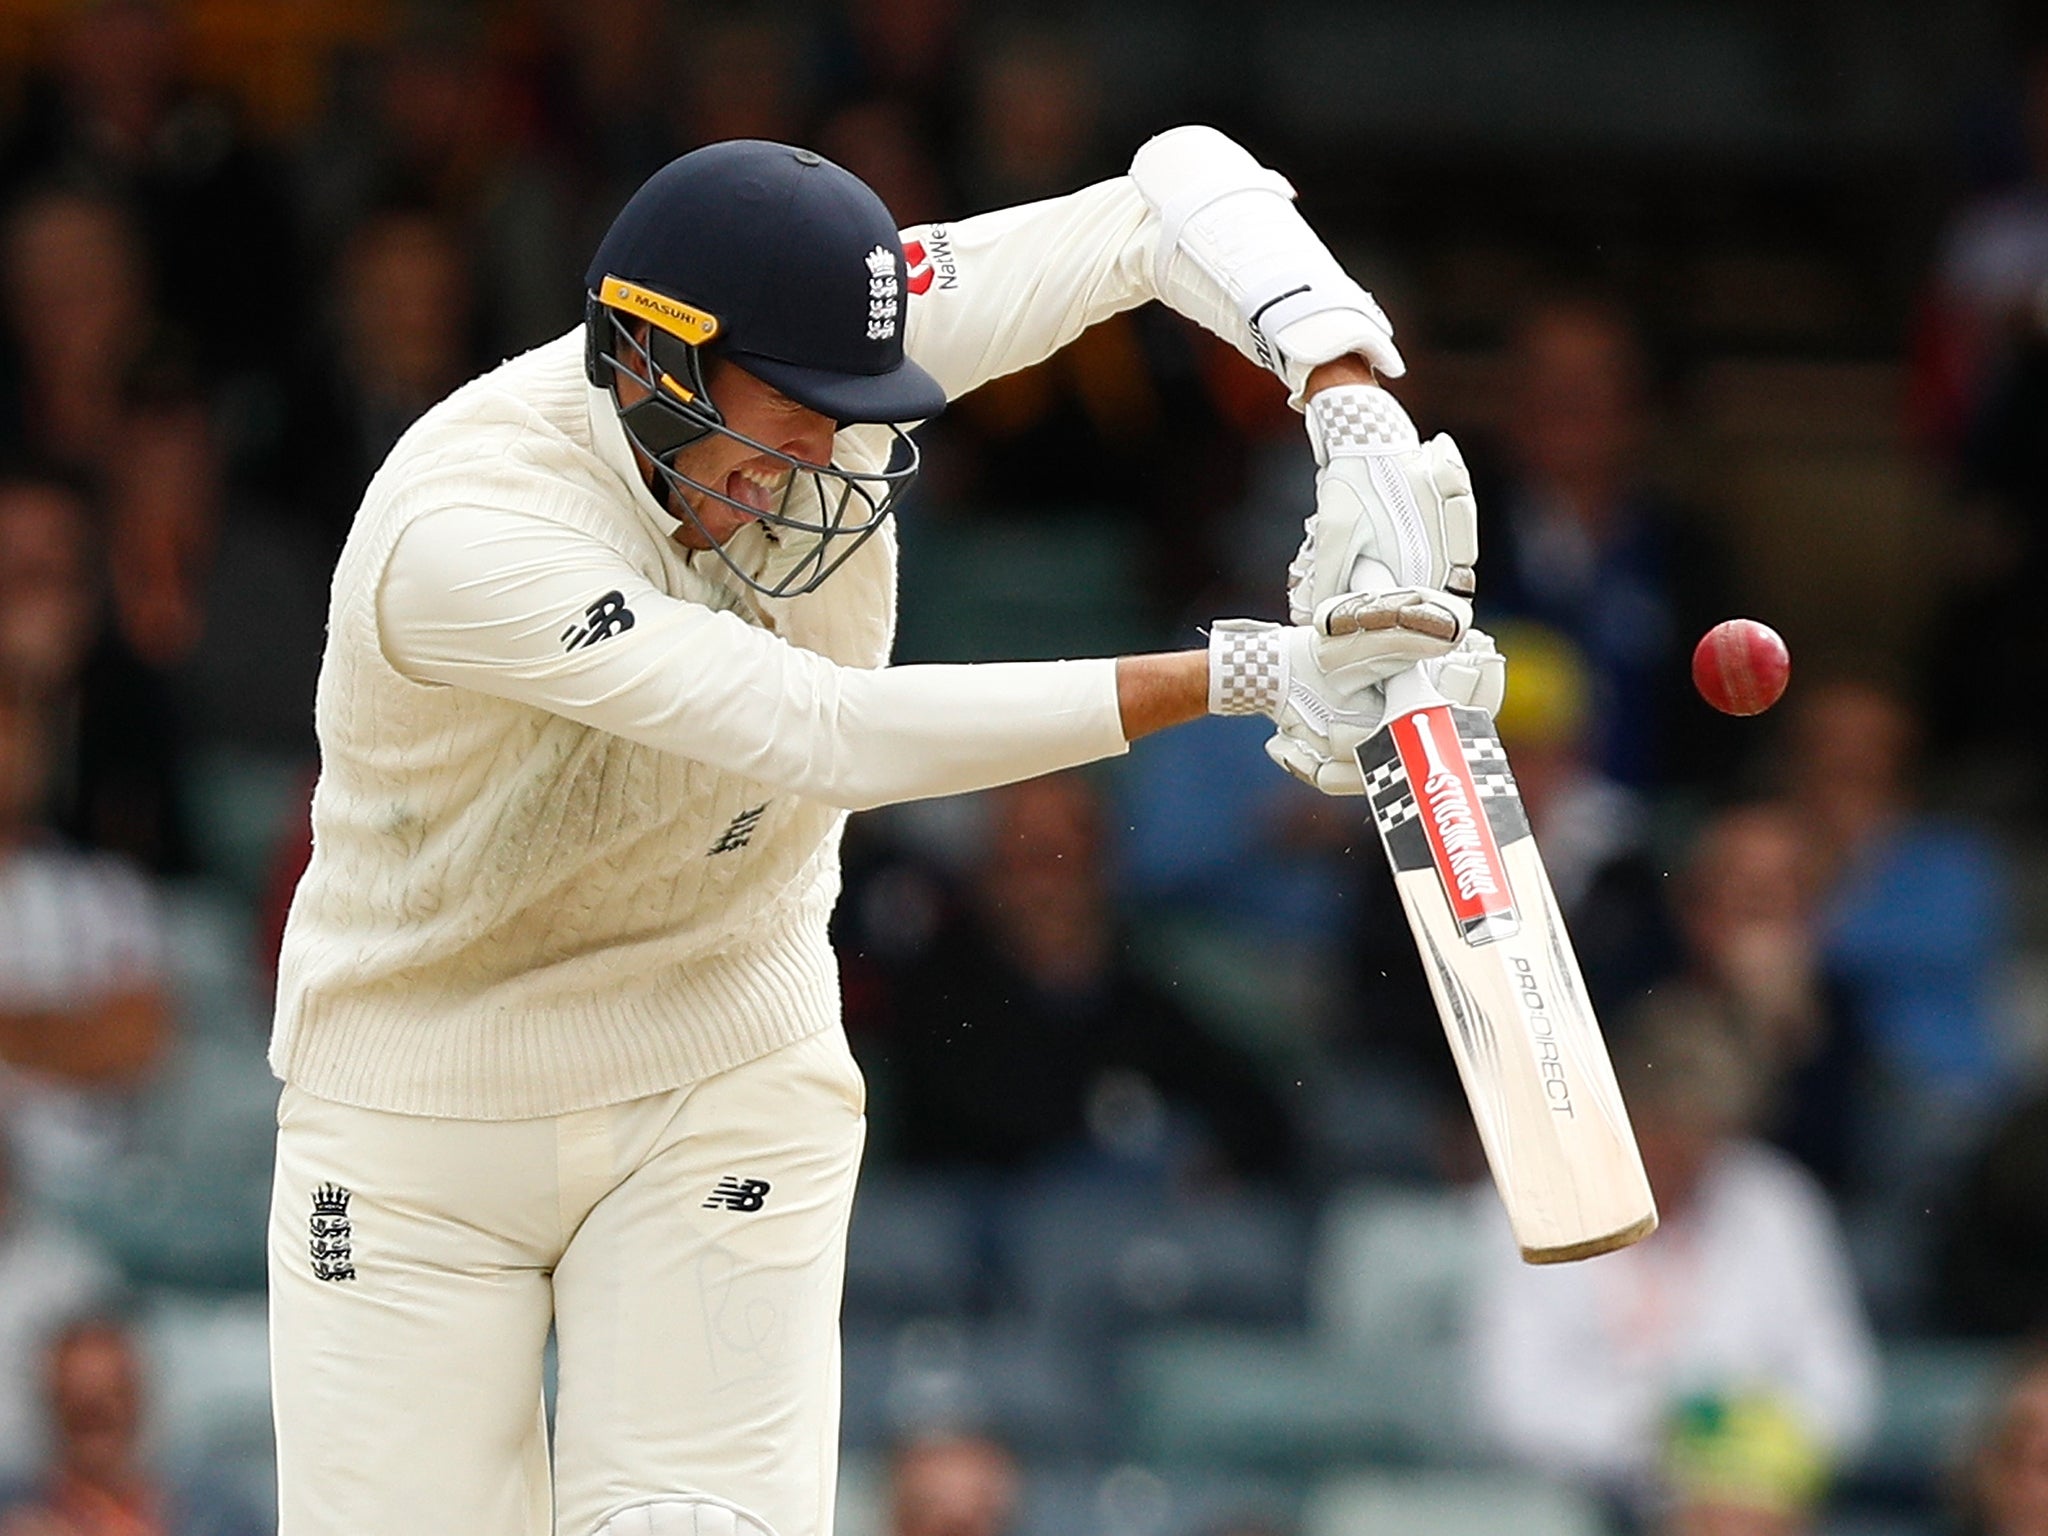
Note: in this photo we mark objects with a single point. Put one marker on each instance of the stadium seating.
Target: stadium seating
(1424, 1503)
(913, 1248)
(1935, 1391)
(1037, 1393)
(209, 1371)
(1134, 1500)
(1090, 1259)
(1286, 1402)
(1391, 1268)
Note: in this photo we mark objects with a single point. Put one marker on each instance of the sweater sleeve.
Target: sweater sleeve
(516, 605)
(1000, 291)
(1003, 290)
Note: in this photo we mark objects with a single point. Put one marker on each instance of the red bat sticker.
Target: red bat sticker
(1461, 839)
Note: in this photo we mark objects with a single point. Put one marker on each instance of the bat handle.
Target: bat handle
(1409, 691)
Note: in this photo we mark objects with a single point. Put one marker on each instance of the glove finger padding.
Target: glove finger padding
(1474, 674)
(1320, 733)
(1333, 774)
(1366, 637)
(1459, 510)
(1391, 510)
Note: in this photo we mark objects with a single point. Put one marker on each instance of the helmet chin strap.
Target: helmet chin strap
(608, 437)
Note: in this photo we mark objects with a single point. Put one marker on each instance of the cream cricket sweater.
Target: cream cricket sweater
(577, 827)
(549, 875)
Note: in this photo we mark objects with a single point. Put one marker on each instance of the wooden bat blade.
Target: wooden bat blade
(1506, 982)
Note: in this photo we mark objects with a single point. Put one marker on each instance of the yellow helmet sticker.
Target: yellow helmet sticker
(680, 320)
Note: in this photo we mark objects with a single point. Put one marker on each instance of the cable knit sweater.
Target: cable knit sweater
(545, 879)
(562, 859)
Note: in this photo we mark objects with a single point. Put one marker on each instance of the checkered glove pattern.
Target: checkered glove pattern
(1248, 670)
(1357, 419)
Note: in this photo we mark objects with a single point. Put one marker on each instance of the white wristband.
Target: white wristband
(1248, 670)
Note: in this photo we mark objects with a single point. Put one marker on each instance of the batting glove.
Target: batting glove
(1324, 754)
(1320, 683)
(1391, 510)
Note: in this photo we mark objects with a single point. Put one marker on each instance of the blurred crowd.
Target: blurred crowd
(241, 249)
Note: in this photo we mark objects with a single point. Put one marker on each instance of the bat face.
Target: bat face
(1506, 982)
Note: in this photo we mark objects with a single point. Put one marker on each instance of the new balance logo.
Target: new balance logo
(332, 1238)
(735, 1194)
(601, 620)
(741, 832)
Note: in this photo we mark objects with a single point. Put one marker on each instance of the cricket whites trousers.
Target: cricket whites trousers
(689, 1249)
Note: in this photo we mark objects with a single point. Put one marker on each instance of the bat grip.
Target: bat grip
(1409, 691)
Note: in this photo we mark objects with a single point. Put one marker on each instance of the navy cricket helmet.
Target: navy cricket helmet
(781, 262)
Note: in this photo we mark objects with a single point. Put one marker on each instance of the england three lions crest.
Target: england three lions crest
(885, 294)
(333, 1239)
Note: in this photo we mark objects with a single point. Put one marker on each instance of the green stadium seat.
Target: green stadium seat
(1265, 998)
(1134, 1500)
(1392, 1268)
(209, 1391)
(1286, 1401)
(1036, 1393)
(1082, 1258)
(1423, 1503)
(187, 1207)
(862, 1508)
(911, 1250)
(241, 805)
(220, 994)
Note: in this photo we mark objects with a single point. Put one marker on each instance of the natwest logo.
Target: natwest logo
(1461, 841)
(931, 260)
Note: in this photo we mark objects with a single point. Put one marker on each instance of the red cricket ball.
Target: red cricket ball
(1741, 667)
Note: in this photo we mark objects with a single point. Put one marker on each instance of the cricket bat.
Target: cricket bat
(1505, 978)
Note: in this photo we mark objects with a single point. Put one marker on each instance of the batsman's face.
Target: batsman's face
(752, 408)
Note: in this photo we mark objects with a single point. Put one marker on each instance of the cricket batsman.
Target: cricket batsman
(606, 669)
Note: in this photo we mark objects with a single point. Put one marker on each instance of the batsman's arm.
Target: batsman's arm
(1197, 223)
(1000, 291)
(513, 604)
(1161, 690)
(1342, 370)
(518, 606)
